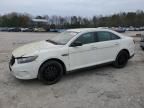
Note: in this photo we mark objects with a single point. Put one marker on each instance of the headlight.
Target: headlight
(26, 59)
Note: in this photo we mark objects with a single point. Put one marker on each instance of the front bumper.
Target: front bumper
(24, 71)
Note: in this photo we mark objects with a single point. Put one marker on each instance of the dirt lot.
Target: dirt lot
(103, 87)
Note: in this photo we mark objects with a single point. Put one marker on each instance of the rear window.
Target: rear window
(106, 36)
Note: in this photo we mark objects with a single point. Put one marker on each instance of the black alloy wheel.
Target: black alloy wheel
(121, 59)
(50, 72)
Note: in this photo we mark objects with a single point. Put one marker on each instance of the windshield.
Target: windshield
(63, 38)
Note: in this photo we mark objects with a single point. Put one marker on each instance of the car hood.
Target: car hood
(32, 48)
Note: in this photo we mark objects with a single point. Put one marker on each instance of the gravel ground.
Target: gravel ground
(102, 87)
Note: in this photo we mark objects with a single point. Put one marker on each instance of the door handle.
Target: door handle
(116, 44)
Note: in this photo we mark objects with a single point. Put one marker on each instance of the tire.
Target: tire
(50, 72)
(121, 59)
(142, 48)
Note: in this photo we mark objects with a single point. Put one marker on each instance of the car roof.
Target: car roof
(88, 29)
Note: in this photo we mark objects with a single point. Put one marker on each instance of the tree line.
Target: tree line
(123, 19)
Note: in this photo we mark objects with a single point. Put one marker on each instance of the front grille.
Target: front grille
(12, 61)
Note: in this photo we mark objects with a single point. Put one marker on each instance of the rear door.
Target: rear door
(106, 47)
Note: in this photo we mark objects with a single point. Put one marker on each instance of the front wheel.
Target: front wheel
(50, 72)
(121, 59)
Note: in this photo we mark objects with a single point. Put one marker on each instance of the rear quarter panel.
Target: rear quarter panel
(128, 44)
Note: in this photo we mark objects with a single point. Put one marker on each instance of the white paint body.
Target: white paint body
(78, 57)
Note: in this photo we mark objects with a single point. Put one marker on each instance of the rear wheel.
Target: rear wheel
(121, 59)
(50, 72)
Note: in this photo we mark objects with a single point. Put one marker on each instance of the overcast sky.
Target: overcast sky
(70, 7)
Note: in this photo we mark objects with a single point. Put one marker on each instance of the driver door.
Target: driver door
(82, 56)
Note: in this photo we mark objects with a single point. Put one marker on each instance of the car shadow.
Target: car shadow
(99, 70)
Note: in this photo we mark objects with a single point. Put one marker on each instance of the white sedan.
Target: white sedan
(73, 49)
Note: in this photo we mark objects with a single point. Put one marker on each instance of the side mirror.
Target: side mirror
(76, 43)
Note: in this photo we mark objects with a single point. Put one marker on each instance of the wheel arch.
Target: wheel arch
(126, 50)
(54, 59)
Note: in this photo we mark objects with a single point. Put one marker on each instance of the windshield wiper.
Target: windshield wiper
(53, 42)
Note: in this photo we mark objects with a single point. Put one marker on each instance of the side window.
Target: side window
(106, 36)
(114, 37)
(103, 36)
(86, 38)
